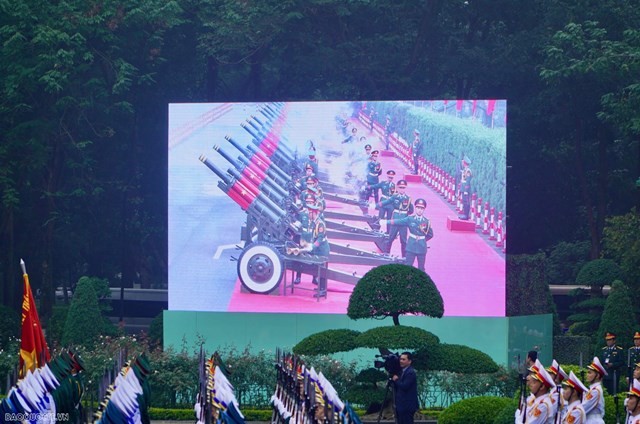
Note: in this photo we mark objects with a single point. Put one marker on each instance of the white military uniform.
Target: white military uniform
(593, 404)
(574, 414)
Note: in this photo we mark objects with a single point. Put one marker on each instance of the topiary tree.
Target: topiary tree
(84, 321)
(618, 316)
(597, 273)
(622, 243)
(476, 410)
(594, 274)
(455, 358)
(393, 290)
(397, 337)
(327, 342)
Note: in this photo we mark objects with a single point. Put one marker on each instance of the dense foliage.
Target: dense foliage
(479, 410)
(85, 89)
(455, 358)
(618, 316)
(527, 287)
(393, 290)
(9, 325)
(84, 323)
(568, 349)
(397, 337)
(328, 341)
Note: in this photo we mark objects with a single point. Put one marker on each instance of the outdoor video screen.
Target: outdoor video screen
(283, 207)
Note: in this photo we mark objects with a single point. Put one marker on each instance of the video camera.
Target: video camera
(390, 362)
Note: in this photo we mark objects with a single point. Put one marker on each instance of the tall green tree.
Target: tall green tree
(622, 244)
(84, 321)
(618, 316)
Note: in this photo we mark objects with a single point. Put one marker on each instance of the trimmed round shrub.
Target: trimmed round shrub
(397, 337)
(455, 358)
(327, 342)
(507, 414)
(477, 410)
(598, 273)
(393, 290)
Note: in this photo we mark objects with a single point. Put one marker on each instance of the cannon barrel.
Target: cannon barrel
(243, 193)
(267, 196)
(225, 178)
(255, 155)
(269, 144)
(250, 186)
(246, 167)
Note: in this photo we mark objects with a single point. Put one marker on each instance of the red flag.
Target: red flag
(34, 351)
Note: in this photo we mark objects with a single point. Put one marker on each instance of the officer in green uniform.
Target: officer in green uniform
(374, 169)
(416, 149)
(402, 207)
(465, 192)
(633, 356)
(301, 183)
(420, 232)
(612, 358)
(312, 161)
(387, 188)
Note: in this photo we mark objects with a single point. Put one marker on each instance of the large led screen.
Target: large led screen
(283, 207)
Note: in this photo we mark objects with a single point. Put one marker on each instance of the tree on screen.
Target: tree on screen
(394, 290)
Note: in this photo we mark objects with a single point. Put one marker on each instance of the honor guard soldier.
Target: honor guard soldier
(593, 401)
(572, 396)
(387, 132)
(387, 188)
(633, 403)
(402, 207)
(465, 193)
(612, 357)
(374, 169)
(558, 375)
(538, 406)
(633, 356)
(312, 161)
(420, 232)
(301, 184)
(372, 119)
(416, 149)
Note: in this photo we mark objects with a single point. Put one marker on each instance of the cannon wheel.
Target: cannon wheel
(260, 268)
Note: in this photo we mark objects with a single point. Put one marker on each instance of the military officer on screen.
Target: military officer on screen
(402, 207)
(374, 169)
(612, 358)
(387, 188)
(420, 232)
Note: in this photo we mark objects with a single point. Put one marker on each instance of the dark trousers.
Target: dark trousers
(400, 230)
(421, 259)
(405, 417)
(374, 192)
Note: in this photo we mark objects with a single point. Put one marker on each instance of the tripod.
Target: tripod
(389, 390)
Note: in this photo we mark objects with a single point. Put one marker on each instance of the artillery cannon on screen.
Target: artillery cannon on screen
(262, 189)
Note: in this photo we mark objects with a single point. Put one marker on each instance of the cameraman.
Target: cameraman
(406, 390)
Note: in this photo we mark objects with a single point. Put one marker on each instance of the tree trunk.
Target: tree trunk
(584, 189)
(396, 320)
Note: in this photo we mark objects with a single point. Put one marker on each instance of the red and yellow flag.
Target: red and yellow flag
(34, 351)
